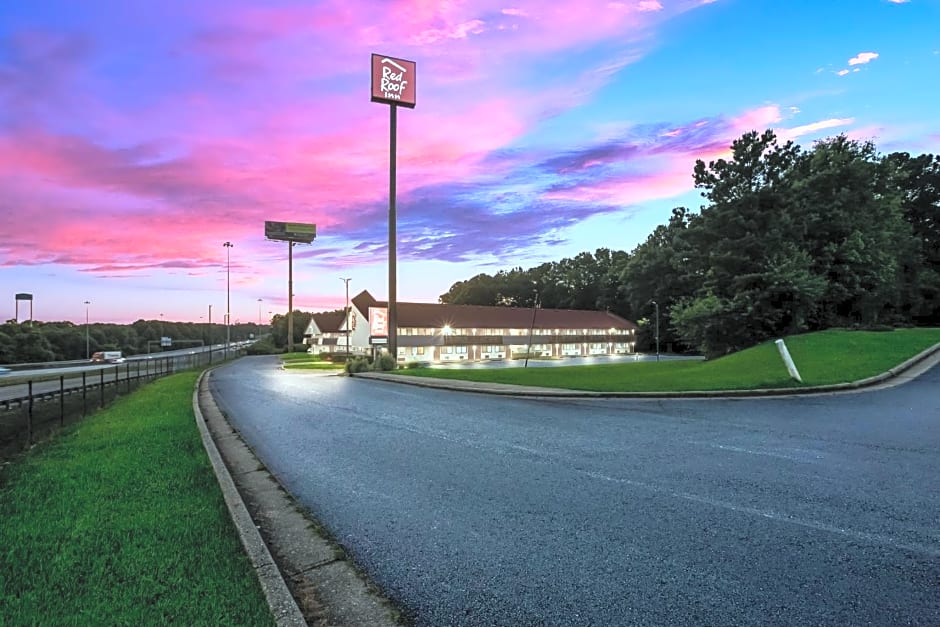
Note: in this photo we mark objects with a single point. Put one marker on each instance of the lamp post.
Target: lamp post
(346, 312)
(210, 334)
(259, 316)
(228, 295)
(87, 344)
(656, 304)
(535, 308)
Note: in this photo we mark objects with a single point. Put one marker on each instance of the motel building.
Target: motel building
(436, 333)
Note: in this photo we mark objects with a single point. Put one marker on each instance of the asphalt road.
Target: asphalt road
(476, 510)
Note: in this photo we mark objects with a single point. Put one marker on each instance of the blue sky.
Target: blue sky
(137, 137)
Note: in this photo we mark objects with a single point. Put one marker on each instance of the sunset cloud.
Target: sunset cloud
(132, 143)
(863, 57)
(815, 127)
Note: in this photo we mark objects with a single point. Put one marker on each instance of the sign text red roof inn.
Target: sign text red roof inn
(393, 81)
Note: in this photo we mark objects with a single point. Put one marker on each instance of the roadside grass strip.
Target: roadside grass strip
(306, 361)
(823, 358)
(294, 357)
(314, 365)
(119, 520)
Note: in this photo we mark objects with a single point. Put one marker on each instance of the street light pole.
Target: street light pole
(346, 311)
(210, 334)
(656, 304)
(535, 308)
(87, 351)
(228, 295)
(259, 316)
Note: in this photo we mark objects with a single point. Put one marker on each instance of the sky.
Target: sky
(137, 137)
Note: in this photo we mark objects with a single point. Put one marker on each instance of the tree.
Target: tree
(744, 252)
(918, 182)
(659, 270)
(854, 231)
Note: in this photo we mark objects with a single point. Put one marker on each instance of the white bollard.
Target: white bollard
(785, 354)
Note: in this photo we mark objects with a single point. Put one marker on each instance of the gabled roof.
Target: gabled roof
(362, 301)
(432, 315)
(328, 321)
(436, 315)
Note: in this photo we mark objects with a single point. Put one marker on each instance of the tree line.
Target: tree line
(37, 341)
(790, 240)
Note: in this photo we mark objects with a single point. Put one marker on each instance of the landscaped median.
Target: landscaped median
(305, 361)
(823, 358)
(119, 520)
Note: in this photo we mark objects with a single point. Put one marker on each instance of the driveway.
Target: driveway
(476, 510)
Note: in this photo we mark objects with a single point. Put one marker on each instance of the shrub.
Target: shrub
(358, 364)
(263, 347)
(385, 362)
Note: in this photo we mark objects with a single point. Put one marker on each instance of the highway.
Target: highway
(475, 510)
(45, 377)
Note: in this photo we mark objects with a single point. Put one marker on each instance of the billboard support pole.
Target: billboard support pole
(292, 233)
(290, 296)
(392, 236)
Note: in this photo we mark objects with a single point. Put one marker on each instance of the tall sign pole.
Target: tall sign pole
(392, 234)
(393, 83)
(292, 233)
(290, 297)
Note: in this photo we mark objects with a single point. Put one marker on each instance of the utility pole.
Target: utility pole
(228, 295)
(346, 281)
(87, 344)
(210, 334)
(656, 304)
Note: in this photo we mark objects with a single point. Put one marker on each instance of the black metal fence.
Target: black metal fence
(33, 407)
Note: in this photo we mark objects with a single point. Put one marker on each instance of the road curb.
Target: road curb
(504, 389)
(283, 607)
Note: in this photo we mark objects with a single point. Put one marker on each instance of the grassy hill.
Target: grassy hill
(826, 357)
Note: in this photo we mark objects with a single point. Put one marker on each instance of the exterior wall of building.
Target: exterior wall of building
(423, 345)
(327, 343)
(435, 345)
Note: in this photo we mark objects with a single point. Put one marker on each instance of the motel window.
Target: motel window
(461, 350)
(447, 350)
(420, 350)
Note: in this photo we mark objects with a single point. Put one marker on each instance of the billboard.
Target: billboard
(378, 321)
(290, 231)
(23, 296)
(393, 81)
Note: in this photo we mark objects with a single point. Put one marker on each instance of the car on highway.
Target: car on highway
(4, 371)
(108, 357)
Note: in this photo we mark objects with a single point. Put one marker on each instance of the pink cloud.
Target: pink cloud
(674, 179)
(757, 119)
(863, 57)
(806, 129)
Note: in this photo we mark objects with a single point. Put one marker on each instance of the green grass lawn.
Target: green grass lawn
(292, 357)
(120, 521)
(306, 361)
(835, 356)
(314, 365)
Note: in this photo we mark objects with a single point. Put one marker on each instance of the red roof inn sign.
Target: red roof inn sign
(393, 81)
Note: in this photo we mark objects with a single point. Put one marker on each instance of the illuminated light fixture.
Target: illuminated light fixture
(446, 330)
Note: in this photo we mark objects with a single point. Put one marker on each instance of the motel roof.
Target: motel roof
(435, 315)
(328, 321)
